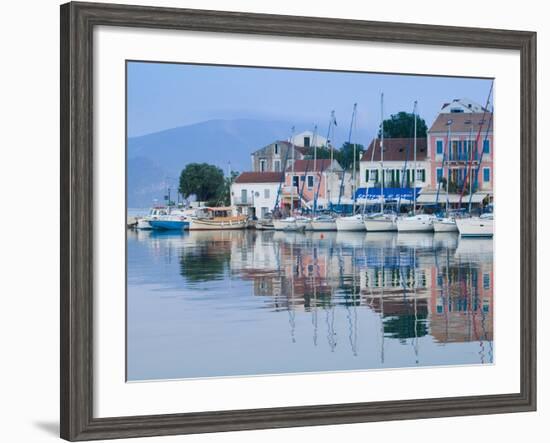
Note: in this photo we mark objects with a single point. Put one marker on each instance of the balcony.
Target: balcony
(242, 201)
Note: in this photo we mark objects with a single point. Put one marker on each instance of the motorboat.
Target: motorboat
(169, 222)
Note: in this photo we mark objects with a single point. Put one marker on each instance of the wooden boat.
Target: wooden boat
(217, 218)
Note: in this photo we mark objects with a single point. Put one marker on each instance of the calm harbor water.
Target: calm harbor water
(226, 303)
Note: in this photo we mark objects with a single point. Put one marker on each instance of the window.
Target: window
(374, 174)
(265, 211)
(367, 175)
(295, 181)
(486, 174)
(421, 175)
(439, 147)
(307, 142)
(262, 165)
(486, 147)
(310, 181)
(244, 196)
(266, 193)
(486, 281)
(276, 149)
(439, 174)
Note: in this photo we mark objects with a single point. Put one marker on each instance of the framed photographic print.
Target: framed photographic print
(273, 221)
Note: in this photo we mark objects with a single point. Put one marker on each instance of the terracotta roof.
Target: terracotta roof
(259, 177)
(395, 149)
(322, 164)
(462, 122)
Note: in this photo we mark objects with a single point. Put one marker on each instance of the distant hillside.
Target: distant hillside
(158, 158)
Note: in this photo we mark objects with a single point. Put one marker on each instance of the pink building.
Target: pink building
(462, 141)
(311, 177)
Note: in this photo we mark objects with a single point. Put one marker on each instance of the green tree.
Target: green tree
(225, 195)
(203, 180)
(345, 155)
(401, 125)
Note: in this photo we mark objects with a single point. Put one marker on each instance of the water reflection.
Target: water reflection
(257, 302)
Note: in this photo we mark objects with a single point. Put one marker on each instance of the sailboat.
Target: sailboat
(481, 226)
(291, 223)
(352, 222)
(415, 222)
(382, 221)
(446, 223)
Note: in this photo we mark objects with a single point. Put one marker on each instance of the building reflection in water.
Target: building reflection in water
(434, 286)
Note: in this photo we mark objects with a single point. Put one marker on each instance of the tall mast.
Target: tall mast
(292, 173)
(382, 151)
(314, 164)
(353, 186)
(449, 146)
(471, 152)
(414, 172)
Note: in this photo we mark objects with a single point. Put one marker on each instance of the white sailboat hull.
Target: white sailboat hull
(475, 227)
(380, 224)
(415, 224)
(350, 224)
(326, 225)
(445, 225)
(289, 225)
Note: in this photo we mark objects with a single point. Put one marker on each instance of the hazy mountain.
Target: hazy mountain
(156, 160)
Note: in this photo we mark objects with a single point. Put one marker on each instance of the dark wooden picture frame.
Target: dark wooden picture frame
(77, 23)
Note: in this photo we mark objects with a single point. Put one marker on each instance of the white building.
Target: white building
(398, 164)
(255, 193)
(308, 139)
(461, 105)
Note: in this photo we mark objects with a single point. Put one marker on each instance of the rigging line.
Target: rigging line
(485, 110)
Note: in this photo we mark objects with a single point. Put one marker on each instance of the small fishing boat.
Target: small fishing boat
(217, 218)
(481, 226)
(381, 222)
(290, 224)
(445, 224)
(323, 223)
(169, 222)
(415, 223)
(350, 223)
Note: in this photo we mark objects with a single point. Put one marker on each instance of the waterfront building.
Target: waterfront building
(322, 177)
(308, 139)
(255, 193)
(462, 135)
(271, 158)
(398, 163)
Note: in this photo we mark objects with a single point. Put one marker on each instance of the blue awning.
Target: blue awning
(389, 193)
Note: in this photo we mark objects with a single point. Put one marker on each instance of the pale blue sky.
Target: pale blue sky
(163, 96)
